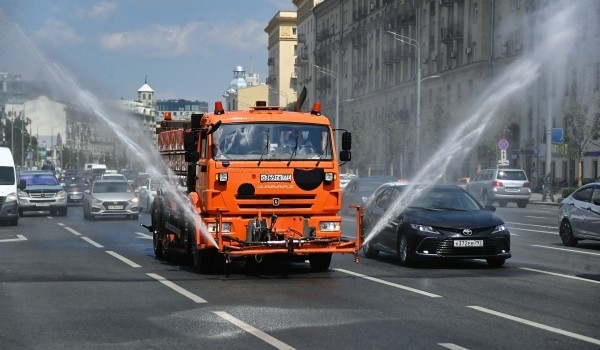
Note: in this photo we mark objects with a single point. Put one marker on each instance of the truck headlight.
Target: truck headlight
(221, 177)
(225, 227)
(329, 177)
(329, 226)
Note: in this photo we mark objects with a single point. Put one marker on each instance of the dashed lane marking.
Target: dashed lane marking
(521, 224)
(451, 346)
(92, 242)
(391, 284)
(278, 344)
(72, 231)
(177, 288)
(537, 325)
(566, 250)
(143, 235)
(123, 259)
(560, 275)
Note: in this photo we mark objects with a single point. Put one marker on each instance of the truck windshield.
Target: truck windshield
(272, 141)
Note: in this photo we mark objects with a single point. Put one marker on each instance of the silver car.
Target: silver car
(146, 193)
(579, 215)
(110, 198)
(502, 186)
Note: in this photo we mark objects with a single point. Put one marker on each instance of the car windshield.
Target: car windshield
(272, 141)
(75, 181)
(112, 187)
(445, 198)
(39, 179)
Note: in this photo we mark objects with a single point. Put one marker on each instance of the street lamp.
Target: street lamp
(414, 43)
(337, 97)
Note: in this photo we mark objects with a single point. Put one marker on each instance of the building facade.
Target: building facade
(282, 47)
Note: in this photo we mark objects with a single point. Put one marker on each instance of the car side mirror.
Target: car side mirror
(22, 184)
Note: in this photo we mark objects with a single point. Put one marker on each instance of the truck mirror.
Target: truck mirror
(345, 156)
(196, 119)
(346, 141)
(192, 157)
(214, 127)
(189, 141)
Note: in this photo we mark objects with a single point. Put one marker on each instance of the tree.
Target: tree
(580, 130)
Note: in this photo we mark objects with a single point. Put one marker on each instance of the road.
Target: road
(66, 283)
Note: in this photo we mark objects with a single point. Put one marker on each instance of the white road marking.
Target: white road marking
(395, 285)
(72, 231)
(123, 259)
(535, 217)
(255, 332)
(90, 241)
(537, 325)
(518, 223)
(143, 235)
(177, 288)
(452, 346)
(19, 238)
(538, 231)
(61, 224)
(566, 250)
(560, 275)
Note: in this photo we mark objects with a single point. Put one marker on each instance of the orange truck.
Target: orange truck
(253, 184)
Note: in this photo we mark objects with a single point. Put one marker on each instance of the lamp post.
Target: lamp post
(337, 97)
(414, 43)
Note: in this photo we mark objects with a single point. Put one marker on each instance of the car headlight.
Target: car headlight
(12, 197)
(61, 194)
(134, 200)
(424, 228)
(23, 194)
(225, 227)
(499, 228)
(96, 201)
(329, 226)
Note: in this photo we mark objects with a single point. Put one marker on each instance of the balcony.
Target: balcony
(271, 79)
(407, 20)
(271, 61)
(448, 3)
(301, 38)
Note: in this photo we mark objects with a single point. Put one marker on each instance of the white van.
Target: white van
(9, 205)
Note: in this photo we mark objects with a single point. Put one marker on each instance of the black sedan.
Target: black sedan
(438, 221)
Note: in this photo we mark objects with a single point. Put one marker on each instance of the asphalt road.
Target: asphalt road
(66, 283)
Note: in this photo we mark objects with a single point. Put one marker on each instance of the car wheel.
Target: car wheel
(62, 211)
(522, 204)
(495, 262)
(20, 212)
(320, 262)
(566, 234)
(369, 251)
(404, 251)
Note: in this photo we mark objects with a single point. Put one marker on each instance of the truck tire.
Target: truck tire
(320, 262)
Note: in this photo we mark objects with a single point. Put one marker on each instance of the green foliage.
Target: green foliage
(566, 192)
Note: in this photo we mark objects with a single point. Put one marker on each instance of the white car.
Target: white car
(345, 178)
(110, 198)
(146, 193)
(579, 215)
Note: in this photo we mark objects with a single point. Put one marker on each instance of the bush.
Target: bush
(566, 192)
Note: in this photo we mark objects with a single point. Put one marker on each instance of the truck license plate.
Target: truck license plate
(469, 243)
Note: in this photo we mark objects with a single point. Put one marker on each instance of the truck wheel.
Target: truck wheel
(320, 262)
(157, 245)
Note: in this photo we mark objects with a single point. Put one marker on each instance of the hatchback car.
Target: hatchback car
(110, 198)
(579, 215)
(439, 221)
(358, 191)
(43, 192)
(502, 186)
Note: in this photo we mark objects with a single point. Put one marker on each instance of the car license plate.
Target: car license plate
(115, 207)
(468, 243)
(512, 189)
(74, 197)
(42, 204)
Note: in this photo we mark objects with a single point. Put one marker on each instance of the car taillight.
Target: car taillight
(526, 184)
(498, 184)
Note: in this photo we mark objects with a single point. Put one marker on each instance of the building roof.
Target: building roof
(145, 88)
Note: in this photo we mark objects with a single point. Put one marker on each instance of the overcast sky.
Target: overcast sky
(187, 48)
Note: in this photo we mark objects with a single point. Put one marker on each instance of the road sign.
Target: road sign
(503, 144)
(503, 162)
(503, 154)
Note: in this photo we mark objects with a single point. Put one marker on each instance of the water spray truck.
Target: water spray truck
(261, 183)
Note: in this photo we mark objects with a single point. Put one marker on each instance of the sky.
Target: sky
(184, 48)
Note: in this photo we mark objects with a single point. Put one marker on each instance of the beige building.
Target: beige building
(366, 61)
(282, 77)
(244, 91)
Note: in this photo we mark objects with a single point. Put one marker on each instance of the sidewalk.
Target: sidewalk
(536, 198)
